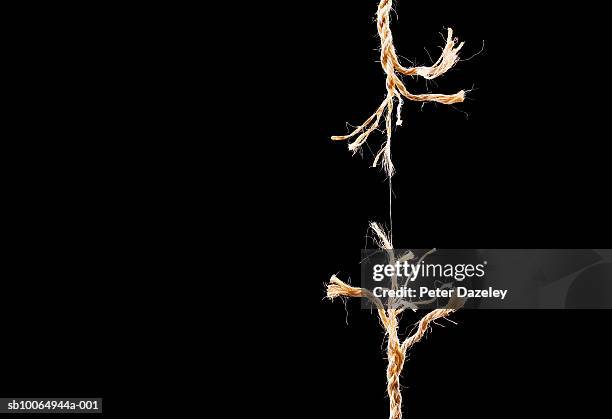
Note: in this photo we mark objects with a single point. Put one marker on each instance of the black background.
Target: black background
(115, 124)
(525, 168)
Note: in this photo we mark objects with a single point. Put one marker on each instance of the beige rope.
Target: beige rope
(396, 350)
(396, 88)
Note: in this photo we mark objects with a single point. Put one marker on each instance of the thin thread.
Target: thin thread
(390, 208)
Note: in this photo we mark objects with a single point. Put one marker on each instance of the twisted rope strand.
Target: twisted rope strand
(395, 359)
(423, 326)
(337, 288)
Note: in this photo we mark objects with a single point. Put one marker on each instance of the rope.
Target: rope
(396, 350)
(396, 88)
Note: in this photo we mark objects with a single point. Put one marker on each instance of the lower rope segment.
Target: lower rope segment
(396, 349)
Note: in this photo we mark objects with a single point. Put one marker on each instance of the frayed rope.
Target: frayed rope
(397, 90)
(396, 350)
